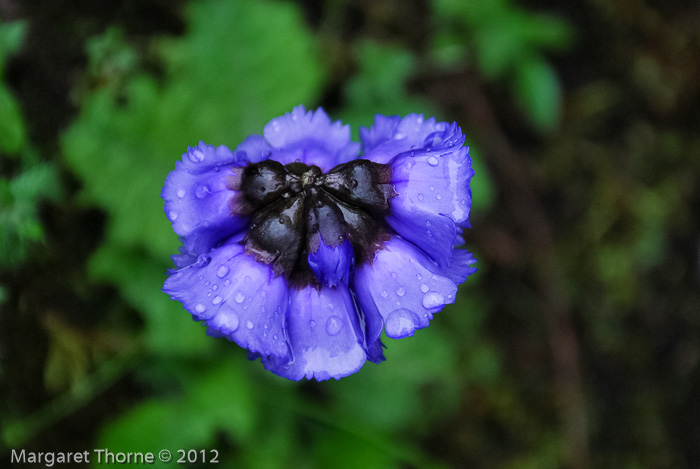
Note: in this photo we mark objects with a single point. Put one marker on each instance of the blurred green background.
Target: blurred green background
(576, 344)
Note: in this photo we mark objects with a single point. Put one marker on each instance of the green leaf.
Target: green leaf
(240, 64)
(11, 37)
(380, 86)
(168, 328)
(218, 400)
(538, 91)
(12, 132)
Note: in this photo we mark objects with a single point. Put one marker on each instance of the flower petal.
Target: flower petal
(331, 265)
(433, 196)
(435, 181)
(197, 198)
(322, 329)
(390, 136)
(311, 138)
(405, 287)
(237, 298)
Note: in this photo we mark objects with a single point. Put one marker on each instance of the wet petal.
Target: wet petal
(197, 199)
(404, 287)
(310, 137)
(331, 265)
(236, 297)
(390, 136)
(322, 330)
(434, 181)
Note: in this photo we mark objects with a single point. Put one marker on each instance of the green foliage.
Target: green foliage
(379, 87)
(12, 132)
(19, 195)
(509, 44)
(220, 399)
(219, 86)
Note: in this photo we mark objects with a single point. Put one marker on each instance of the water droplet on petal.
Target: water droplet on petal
(439, 196)
(427, 223)
(393, 275)
(217, 299)
(385, 293)
(424, 287)
(432, 188)
(214, 287)
(227, 282)
(312, 323)
(201, 191)
(222, 271)
(228, 321)
(432, 161)
(401, 291)
(419, 276)
(196, 155)
(240, 297)
(401, 323)
(334, 325)
(420, 196)
(181, 193)
(200, 308)
(249, 324)
(172, 216)
(203, 261)
(433, 300)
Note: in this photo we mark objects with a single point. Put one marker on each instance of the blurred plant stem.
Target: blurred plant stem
(521, 201)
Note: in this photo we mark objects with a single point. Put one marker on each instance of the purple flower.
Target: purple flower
(301, 245)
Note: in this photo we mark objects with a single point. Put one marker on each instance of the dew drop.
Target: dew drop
(214, 287)
(228, 321)
(385, 293)
(433, 300)
(420, 196)
(249, 324)
(439, 196)
(312, 323)
(424, 287)
(227, 282)
(393, 275)
(172, 216)
(399, 136)
(200, 308)
(432, 188)
(334, 325)
(240, 297)
(203, 261)
(202, 191)
(217, 299)
(263, 293)
(196, 155)
(181, 193)
(401, 323)
(427, 223)
(401, 291)
(222, 271)
(432, 161)
(419, 276)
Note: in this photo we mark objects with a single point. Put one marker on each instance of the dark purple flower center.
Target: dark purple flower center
(295, 207)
